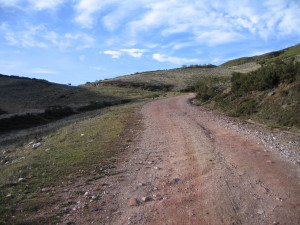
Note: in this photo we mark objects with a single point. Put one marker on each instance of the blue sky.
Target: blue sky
(75, 41)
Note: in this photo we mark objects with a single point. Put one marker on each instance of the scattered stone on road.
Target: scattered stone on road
(133, 202)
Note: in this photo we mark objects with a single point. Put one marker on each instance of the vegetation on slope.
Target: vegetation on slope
(270, 94)
(24, 95)
(77, 151)
(173, 79)
(267, 58)
(67, 152)
(50, 114)
(137, 85)
(31, 102)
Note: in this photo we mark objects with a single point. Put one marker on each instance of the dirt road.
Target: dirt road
(192, 166)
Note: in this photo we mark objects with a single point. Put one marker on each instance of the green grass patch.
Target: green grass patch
(74, 149)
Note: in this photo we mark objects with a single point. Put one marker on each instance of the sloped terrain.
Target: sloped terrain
(269, 95)
(26, 103)
(23, 95)
(293, 51)
(174, 79)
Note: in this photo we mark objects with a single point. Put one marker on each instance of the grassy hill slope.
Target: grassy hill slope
(22, 95)
(173, 79)
(269, 95)
(26, 102)
(293, 51)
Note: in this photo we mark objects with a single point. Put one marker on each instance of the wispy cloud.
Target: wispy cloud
(45, 4)
(39, 36)
(24, 38)
(42, 71)
(86, 11)
(225, 19)
(113, 54)
(175, 60)
(216, 37)
(136, 53)
(34, 4)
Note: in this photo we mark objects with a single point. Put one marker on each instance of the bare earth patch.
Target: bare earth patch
(192, 166)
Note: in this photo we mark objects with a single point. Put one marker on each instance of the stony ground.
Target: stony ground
(193, 166)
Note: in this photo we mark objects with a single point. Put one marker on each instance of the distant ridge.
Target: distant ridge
(293, 51)
(173, 79)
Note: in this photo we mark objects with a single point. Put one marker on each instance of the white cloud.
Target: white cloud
(39, 36)
(86, 10)
(136, 53)
(9, 2)
(24, 38)
(152, 45)
(34, 4)
(175, 60)
(114, 54)
(42, 71)
(45, 4)
(290, 22)
(137, 19)
(216, 37)
(86, 40)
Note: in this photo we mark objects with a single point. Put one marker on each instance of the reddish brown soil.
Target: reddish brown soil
(196, 169)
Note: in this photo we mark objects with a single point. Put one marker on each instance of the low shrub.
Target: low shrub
(248, 94)
(247, 107)
(154, 95)
(267, 77)
(51, 114)
(210, 87)
(140, 85)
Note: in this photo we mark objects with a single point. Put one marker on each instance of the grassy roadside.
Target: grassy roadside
(64, 155)
(269, 95)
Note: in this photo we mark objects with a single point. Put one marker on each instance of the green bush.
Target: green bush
(211, 87)
(140, 85)
(247, 107)
(267, 77)
(154, 95)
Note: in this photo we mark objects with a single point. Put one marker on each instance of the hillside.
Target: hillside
(269, 95)
(25, 95)
(293, 51)
(173, 79)
(26, 102)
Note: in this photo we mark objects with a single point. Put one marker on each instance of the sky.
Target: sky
(79, 41)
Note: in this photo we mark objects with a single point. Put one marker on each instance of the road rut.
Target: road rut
(194, 168)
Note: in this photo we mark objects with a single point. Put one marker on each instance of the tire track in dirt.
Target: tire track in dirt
(197, 171)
